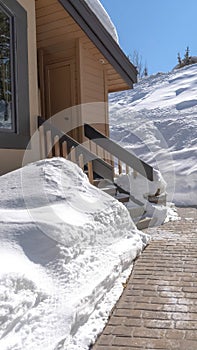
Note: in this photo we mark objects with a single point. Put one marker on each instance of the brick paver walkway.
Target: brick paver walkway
(158, 309)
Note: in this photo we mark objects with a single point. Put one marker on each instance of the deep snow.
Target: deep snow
(66, 247)
(157, 121)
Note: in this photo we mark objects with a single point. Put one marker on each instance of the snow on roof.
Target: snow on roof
(103, 17)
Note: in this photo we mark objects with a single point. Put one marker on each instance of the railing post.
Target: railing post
(57, 146)
(81, 161)
(64, 149)
(42, 142)
(119, 166)
(73, 155)
(90, 172)
(49, 144)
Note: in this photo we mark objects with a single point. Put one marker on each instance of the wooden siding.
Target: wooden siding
(55, 26)
(93, 90)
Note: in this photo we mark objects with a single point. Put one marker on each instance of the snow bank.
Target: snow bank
(141, 189)
(157, 121)
(103, 16)
(65, 249)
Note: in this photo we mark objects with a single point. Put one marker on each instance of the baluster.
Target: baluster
(64, 149)
(134, 173)
(73, 155)
(97, 150)
(42, 142)
(81, 161)
(119, 166)
(90, 172)
(57, 146)
(49, 144)
(127, 169)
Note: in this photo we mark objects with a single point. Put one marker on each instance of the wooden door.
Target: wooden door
(60, 94)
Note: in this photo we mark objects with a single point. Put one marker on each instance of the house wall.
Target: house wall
(60, 39)
(53, 55)
(92, 89)
(12, 159)
(56, 37)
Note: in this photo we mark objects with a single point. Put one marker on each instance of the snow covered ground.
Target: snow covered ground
(157, 121)
(66, 247)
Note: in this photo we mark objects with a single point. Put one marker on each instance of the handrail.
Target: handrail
(100, 167)
(122, 154)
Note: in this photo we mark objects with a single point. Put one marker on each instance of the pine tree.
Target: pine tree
(145, 73)
(179, 59)
(186, 56)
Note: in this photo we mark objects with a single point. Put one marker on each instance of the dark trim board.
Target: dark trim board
(90, 24)
(19, 137)
(121, 153)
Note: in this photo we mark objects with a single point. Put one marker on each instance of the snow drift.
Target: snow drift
(157, 121)
(65, 249)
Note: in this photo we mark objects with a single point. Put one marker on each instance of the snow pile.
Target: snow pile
(103, 16)
(65, 249)
(157, 121)
(141, 189)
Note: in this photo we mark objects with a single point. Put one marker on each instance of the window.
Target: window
(6, 64)
(14, 96)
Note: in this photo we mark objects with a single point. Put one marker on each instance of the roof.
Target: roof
(98, 34)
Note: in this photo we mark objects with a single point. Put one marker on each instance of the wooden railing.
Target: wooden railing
(99, 157)
(117, 156)
(55, 143)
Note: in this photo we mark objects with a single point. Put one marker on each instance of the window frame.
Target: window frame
(18, 137)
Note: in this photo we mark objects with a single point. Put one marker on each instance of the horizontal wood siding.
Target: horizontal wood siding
(54, 26)
(93, 78)
(93, 90)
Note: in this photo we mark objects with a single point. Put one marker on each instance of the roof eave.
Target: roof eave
(90, 24)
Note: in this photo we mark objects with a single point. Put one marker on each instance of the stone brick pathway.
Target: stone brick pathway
(158, 308)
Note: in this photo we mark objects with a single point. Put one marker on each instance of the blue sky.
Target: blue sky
(157, 29)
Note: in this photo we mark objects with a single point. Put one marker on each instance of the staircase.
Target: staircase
(102, 160)
(124, 162)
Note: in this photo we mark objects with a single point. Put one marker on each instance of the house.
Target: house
(55, 54)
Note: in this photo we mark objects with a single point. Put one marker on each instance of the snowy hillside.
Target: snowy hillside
(65, 249)
(158, 122)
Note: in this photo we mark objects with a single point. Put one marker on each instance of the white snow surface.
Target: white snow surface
(157, 121)
(66, 247)
(103, 17)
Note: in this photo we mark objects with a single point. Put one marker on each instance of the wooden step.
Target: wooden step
(144, 223)
(136, 211)
(110, 190)
(160, 199)
(96, 182)
(122, 197)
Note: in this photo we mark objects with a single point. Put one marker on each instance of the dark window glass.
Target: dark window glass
(6, 95)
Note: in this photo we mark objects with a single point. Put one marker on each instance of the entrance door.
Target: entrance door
(60, 94)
